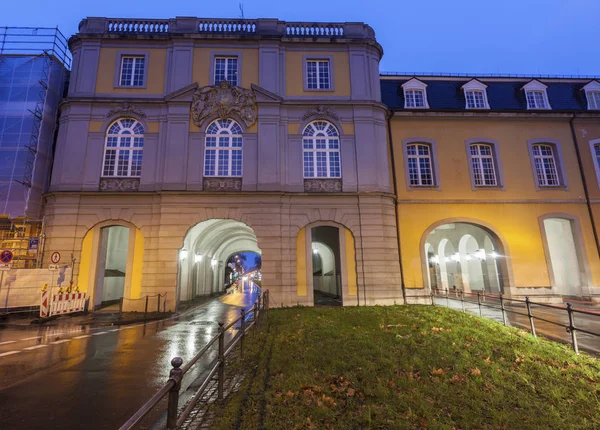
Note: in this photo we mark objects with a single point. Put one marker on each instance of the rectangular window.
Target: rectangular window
(482, 163)
(475, 100)
(226, 69)
(420, 170)
(536, 100)
(414, 98)
(132, 71)
(593, 99)
(317, 75)
(545, 166)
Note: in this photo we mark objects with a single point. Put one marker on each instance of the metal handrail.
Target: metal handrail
(570, 328)
(173, 385)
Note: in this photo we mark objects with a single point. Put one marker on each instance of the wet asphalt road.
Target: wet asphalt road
(69, 377)
(554, 330)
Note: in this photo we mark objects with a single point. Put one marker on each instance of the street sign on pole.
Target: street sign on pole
(5, 266)
(55, 257)
(53, 267)
(6, 256)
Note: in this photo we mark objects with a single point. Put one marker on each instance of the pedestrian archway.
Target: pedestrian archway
(206, 252)
(464, 256)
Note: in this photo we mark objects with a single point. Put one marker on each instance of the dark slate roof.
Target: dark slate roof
(505, 95)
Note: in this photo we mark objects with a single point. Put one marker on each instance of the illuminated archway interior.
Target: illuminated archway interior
(464, 256)
(206, 250)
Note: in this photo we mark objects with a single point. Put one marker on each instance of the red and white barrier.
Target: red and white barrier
(64, 303)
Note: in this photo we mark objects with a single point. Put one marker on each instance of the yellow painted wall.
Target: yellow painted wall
(85, 262)
(586, 131)
(105, 80)
(301, 287)
(201, 65)
(295, 74)
(450, 135)
(138, 264)
(350, 263)
(97, 126)
(517, 224)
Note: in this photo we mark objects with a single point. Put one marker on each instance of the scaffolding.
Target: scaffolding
(34, 64)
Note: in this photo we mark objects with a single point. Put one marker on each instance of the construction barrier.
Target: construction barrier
(60, 304)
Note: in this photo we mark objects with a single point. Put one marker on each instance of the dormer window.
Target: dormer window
(415, 94)
(535, 93)
(475, 95)
(592, 93)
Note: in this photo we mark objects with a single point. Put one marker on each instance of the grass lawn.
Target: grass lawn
(407, 367)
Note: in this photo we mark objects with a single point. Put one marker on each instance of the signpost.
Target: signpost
(54, 267)
(5, 259)
(55, 257)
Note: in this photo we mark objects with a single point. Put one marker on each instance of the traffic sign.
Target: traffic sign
(55, 257)
(4, 266)
(53, 267)
(6, 256)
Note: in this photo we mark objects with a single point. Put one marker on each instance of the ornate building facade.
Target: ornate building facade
(184, 141)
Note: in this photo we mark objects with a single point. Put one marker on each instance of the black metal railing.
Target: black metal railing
(174, 418)
(512, 305)
(147, 302)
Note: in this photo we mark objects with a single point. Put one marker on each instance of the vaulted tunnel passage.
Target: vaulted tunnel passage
(206, 252)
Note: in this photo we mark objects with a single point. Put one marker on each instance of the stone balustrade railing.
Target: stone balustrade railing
(226, 27)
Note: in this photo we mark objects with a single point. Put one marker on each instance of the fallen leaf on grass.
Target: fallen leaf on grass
(351, 392)
(475, 372)
(439, 371)
(290, 394)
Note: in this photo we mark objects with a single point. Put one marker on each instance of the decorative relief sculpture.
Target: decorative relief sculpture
(320, 112)
(224, 100)
(222, 184)
(119, 184)
(323, 185)
(125, 110)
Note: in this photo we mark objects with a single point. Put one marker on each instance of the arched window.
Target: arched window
(321, 150)
(223, 149)
(123, 149)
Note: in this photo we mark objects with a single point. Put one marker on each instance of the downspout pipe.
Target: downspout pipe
(585, 187)
(395, 188)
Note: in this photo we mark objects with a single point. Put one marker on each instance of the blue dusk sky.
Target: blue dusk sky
(453, 36)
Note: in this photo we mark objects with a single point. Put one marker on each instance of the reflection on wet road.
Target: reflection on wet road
(74, 377)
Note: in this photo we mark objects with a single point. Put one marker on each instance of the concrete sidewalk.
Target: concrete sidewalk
(554, 328)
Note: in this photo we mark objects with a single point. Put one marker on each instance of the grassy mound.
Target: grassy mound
(407, 367)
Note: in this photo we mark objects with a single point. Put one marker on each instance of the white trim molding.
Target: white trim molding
(476, 88)
(536, 95)
(412, 88)
(592, 94)
(596, 158)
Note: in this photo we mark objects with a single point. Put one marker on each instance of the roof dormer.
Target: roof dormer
(415, 94)
(592, 93)
(475, 95)
(536, 96)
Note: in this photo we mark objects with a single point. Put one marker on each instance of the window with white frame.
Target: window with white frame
(475, 99)
(593, 99)
(536, 95)
(592, 93)
(132, 71)
(223, 149)
(415, 94)
(475, 95)
(536, 100)
(226, 69)
(318, 75)
(321, 150)
(414, 98)
(483, 165)
(123, 149)
(420, 165)
(545, 162)
(595, 146)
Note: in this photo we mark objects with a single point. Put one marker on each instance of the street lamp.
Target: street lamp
(197, 258)
(183, 254)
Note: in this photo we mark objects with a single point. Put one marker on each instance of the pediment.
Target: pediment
(182, 94)
(265, 96)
